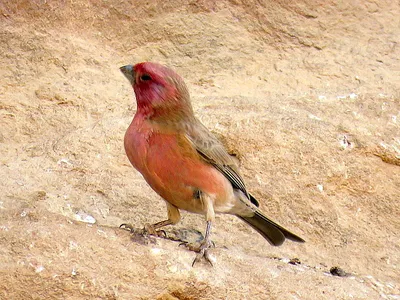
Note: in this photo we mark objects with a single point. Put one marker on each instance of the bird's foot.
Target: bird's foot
(202, 250)
(150, 230)
(144, 236)
(147, 230)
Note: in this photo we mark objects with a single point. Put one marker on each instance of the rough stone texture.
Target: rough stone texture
(305, 93)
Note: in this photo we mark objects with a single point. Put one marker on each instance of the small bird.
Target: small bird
(183, 161)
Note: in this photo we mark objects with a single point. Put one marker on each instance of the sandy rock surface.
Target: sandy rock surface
(304, 93)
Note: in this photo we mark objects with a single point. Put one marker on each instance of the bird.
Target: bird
(184, 162)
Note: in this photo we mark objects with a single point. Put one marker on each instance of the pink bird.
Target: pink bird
(182, 160)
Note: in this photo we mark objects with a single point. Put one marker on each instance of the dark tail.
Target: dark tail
(272, 232)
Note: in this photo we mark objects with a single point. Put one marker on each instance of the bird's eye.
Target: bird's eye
(145, 77)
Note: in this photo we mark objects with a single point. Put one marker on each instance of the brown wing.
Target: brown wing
(212, 150)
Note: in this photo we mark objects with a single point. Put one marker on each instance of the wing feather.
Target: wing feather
(212, 151)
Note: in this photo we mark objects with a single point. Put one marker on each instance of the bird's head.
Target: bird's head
(161, 94)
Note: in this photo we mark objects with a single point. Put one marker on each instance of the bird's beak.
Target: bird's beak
(128, 72)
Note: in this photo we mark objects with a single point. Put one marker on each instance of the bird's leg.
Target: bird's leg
(205, 245)
(173, 217)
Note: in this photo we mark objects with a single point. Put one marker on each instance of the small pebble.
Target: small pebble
(337, 271)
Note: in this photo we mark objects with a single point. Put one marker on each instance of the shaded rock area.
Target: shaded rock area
(304, 93)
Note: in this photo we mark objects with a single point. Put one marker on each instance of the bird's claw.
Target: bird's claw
(202, 250)
(127, 226)
(150, 230)
(203, 253)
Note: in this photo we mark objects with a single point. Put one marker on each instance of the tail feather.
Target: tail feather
(271, 231)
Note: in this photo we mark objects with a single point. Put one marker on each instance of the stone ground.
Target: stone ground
(305, 93)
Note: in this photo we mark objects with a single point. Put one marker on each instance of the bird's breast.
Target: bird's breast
(136, 143)
(173, 168)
